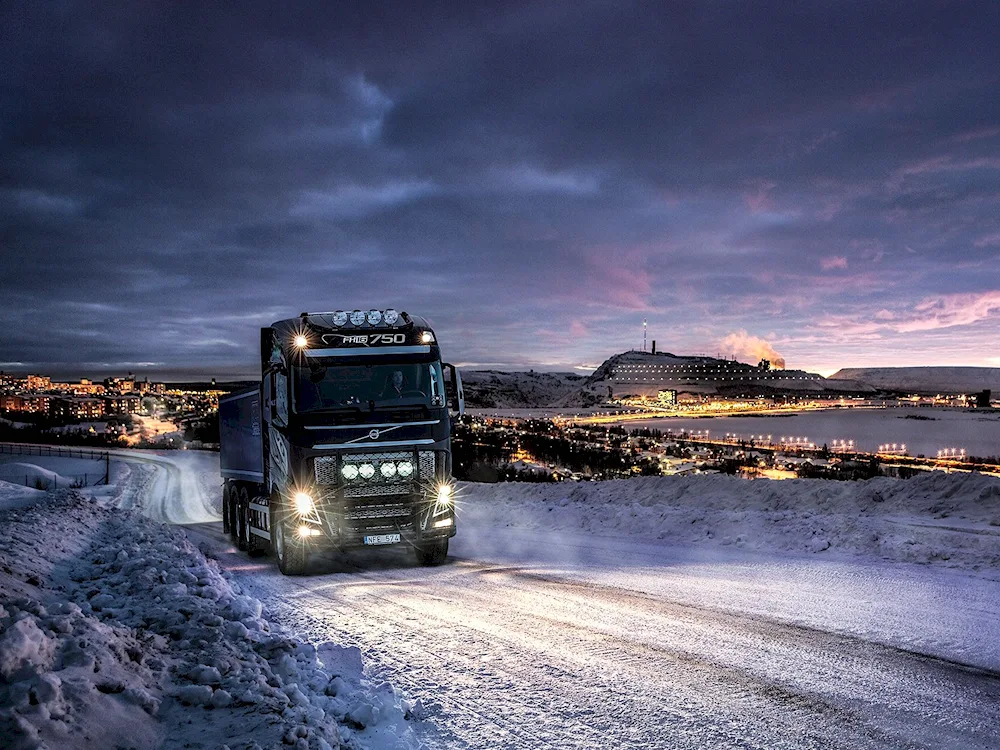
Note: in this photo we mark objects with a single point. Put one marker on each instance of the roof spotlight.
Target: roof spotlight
(391, 316)
(358, 318)
(374, 317)
(340, 318)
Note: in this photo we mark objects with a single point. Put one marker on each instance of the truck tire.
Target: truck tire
(242, 527)
(291, 553)
(256, 546)
(433, 552)
(226, 526)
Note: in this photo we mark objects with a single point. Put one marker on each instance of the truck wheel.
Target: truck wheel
(226, 527)
(432, 553)
(288, 548)
(242, 528)
(256, 546)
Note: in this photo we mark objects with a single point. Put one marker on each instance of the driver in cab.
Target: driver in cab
(395, 385)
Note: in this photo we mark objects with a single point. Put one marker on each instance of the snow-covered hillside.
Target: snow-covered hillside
(495, 389)
(925, 379)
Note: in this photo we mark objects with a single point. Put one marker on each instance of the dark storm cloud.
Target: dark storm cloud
(535, 178)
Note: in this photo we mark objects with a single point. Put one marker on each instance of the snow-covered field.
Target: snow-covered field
(949, 520)
(655, 613)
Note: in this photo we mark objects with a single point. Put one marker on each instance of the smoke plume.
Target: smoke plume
(751, 349)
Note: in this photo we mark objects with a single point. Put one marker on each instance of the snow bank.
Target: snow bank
(35, 476)
(946, 519)
(16, 495)
(116, 631)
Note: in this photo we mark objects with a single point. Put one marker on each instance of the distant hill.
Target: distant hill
(925, 379)
(496, 389)
(645, 373)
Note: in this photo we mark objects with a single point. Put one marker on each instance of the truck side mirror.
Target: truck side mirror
(453, 388)
(277, 368)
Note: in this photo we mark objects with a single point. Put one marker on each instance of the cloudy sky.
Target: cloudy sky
(536, 179)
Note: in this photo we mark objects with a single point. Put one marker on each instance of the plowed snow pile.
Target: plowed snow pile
(116, 631)
(946, 519)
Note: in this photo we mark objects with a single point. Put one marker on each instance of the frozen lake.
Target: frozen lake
(978, 433)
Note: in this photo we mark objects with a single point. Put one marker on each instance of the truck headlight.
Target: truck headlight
(304, 504)
(444, 494)
(367, 471)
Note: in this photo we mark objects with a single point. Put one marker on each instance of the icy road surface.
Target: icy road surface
(527, 641)
(178, 487)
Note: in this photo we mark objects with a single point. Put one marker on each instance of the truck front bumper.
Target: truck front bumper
(415, 519)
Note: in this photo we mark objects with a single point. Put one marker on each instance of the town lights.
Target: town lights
(304, 504)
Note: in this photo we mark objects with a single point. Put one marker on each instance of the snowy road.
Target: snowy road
(178, 487)
(525, 641)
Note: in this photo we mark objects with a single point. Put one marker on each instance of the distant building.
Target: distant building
(667, 397)
(29, 403)
(84, 387)
(77, 407)
(144, 387)
(38, 383)
(126, 403)
(120, 385)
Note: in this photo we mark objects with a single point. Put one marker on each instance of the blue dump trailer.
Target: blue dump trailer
(345, 443)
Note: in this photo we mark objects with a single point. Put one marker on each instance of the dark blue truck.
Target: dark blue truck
(345, 443)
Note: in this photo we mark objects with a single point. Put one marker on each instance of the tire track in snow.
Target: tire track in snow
(611, 686)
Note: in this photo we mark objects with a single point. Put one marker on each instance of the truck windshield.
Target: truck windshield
(320, 388)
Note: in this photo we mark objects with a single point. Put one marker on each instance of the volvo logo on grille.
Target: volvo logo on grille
(374, 434)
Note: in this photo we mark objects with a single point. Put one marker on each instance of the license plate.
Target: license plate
(382, 539)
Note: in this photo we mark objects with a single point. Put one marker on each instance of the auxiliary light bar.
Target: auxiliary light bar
(364, 318)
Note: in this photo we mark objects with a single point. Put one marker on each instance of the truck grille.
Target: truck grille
(368, 511)
(377, 515)
(327, 470)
